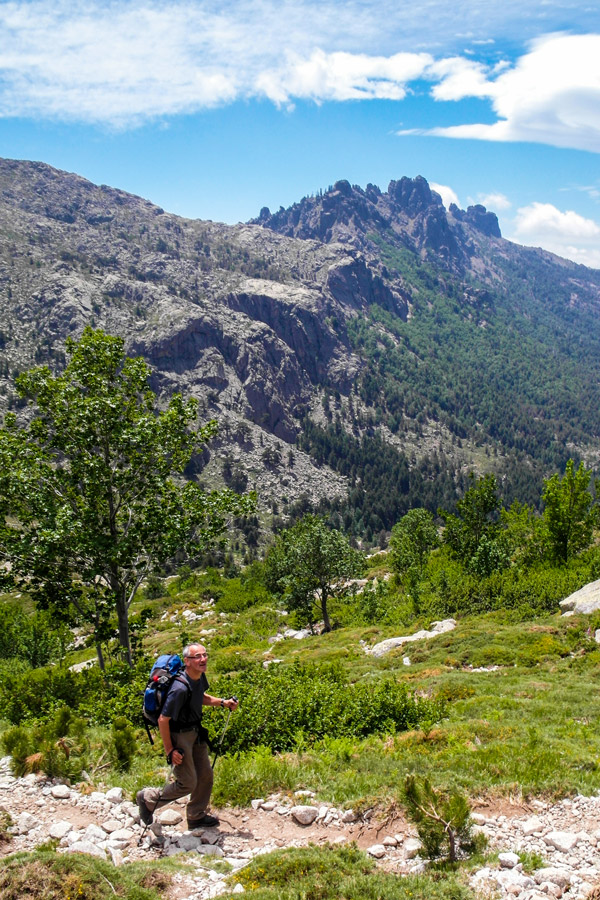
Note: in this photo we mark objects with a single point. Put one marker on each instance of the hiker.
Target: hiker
(185, 743)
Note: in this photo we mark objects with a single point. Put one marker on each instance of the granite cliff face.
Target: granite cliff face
(336, 297)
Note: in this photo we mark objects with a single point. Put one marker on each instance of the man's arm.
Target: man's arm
(207, 700)
(165, 733)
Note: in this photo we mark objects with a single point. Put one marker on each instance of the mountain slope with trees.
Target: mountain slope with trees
(362, 351)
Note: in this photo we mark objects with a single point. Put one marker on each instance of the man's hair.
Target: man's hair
(187, 651)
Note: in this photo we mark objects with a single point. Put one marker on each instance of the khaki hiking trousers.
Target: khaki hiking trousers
(194, 777)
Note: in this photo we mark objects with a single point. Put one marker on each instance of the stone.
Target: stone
(87, 847)
(60, 829)
(111, 825)
(26, 822)
(389, 841)
(115, 795)
(348, 816)
(531, 825)
(304, 815)
(116, 856)
(256, 804)
(189, 842)
(269, 805)
(508, 860)
(94, 833)
(584, 601)
(561, 877)
(376, 850)
(210, 850)
(61, 792)
(384, 647)
(238, 888)
(411, 847)
(169, 817)
(563, 841)
(123, 834)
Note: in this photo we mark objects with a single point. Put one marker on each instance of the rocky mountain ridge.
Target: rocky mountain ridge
(374, 312)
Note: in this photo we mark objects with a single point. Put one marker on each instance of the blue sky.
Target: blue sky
(213, 110)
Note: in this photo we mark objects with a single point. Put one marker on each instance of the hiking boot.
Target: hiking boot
(145, 814)
(207, 821)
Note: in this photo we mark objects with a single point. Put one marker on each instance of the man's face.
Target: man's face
(197, 660)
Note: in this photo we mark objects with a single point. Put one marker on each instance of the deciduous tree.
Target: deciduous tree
(91, 495)
(307, 565)
(570, 513)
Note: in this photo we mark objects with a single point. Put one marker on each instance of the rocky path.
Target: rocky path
(565, 835)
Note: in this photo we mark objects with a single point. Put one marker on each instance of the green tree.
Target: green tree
(472, 534)
(90, 499)
(307, 565)
(570, 512)
(443, 819)
(413, 538)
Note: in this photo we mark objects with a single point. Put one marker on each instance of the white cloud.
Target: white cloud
(551, 96)
(446, 193)
(565, 233)
(494, 201)
(343, 76)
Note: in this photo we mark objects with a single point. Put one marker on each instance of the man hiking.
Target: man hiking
(185, 743)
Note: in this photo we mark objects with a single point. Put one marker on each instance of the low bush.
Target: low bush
(328, 873)
(280, 705)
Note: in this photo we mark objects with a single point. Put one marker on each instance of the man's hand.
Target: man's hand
(175, 757)
(231, 703)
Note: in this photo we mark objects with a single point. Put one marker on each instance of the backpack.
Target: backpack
(164, 672)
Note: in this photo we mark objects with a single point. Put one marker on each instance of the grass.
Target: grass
(330, 873)
(47, 875)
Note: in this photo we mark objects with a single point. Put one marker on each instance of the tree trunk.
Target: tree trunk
(123, 620)
(326, 622)
(100, 656)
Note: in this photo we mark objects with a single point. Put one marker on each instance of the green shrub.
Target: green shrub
(124, 744)
(57, 748)
(279, 704)
(443, 819)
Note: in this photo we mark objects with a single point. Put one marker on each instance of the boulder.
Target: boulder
(412, 846)
(169, 817)
(584, 601)
(376, 850)
(61, 791)
(304, 815)
(115, 795)
(508, 860)
(384, 647)
(87, 847)
(26, 822)
(563, 841)
(59, 829)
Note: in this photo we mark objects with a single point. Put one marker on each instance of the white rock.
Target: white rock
(96, 796)
(26, 822)
(256, 804)
(123, 834)
(304, 793)
(169, 817)
(376, 850)
(61, 792)
(210, 850)
(304, 815)
(349, 815)
(561, 877)
(584, 601)
(111, 825)
(115, 795)
(60, 829)
(269, 805)
(384, 647)
(87, 847)
(94, 833)
(508, 860)
(563, 841)
(389, 841)
(116, 856)
(412, 847)
(555, 890)
(530, 826)
(238, 889)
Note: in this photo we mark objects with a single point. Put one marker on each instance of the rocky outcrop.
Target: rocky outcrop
(584, 601)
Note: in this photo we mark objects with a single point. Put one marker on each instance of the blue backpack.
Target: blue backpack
(166, 670)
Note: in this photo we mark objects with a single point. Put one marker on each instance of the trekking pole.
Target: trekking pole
(225, 727)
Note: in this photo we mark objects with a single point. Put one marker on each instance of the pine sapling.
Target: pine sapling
(443, 819)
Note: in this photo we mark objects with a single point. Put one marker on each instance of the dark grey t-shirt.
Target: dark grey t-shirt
(184, 712)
